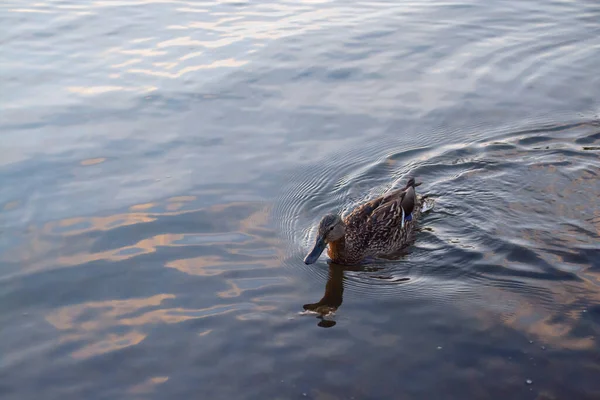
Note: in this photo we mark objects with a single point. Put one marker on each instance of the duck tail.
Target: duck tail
(412, 183)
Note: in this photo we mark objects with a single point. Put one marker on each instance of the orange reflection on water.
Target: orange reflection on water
(95, 322)
(142, 207)
(548, 330)
(77, 250)
(175, 206)
(252, 227)
(148, 385)
(93, 161)
(98, 327)
(96, 223)
(72, 320)
(182, 198)
(67, 318)
(110, 343)
(110, 314)
(145, 246)
(201, 266)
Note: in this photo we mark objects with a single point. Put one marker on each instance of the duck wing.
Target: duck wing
(384, 210)
(408, 202)
(390, 212)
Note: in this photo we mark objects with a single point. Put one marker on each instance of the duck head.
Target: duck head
(331, 228)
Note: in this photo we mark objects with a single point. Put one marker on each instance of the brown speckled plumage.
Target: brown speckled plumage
(372, 229)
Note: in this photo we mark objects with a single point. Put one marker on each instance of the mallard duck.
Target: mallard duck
(379, 227)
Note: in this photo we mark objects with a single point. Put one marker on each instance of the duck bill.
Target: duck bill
(316, 251)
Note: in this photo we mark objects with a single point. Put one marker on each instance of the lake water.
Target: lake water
(163, 165)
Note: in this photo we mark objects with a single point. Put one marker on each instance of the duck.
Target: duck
(379, 227)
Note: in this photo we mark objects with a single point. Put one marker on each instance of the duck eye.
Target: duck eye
(331, 228)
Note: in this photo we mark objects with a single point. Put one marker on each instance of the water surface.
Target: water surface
(164, 163)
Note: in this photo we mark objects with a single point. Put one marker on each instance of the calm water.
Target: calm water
(163, 164)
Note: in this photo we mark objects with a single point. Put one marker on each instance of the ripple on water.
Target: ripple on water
(86, 276)
(496, 229)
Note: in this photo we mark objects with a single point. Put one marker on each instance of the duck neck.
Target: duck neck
(337, 249)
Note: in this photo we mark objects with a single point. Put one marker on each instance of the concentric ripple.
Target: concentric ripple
(500, 223)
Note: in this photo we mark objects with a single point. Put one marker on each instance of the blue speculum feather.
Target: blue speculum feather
(408, 217)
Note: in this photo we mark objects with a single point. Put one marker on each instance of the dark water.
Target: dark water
(163, 164)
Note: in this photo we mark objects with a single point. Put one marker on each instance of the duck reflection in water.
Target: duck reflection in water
(334, 292)
(381, 228)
